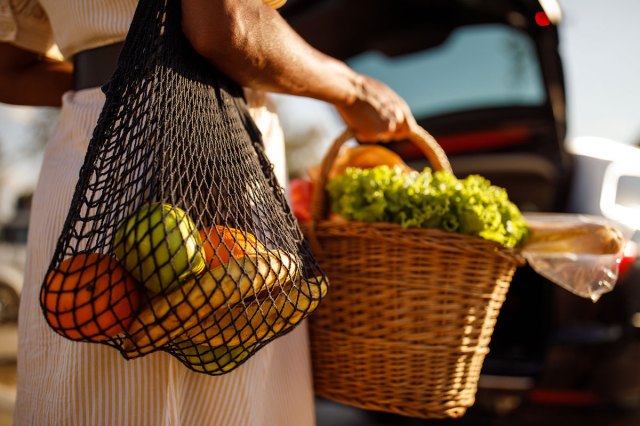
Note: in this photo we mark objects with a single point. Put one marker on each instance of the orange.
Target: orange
(221, 243)
(90, 297)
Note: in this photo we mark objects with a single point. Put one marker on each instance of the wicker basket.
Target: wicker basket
(410, 312)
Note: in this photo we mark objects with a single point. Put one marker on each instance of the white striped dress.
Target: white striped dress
(65, 383)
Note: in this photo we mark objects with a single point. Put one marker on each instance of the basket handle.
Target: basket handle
(418, 136)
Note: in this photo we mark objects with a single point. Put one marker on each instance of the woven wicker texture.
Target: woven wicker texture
(410, 314)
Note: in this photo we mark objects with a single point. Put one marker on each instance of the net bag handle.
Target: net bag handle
(418, 136)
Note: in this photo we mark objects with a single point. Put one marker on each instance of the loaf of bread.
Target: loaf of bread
(578, 238)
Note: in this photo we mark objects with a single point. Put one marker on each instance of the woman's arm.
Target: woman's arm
(250, 42)
(27, 78)
(254, 45)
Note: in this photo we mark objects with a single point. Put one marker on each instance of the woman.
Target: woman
(66, 383)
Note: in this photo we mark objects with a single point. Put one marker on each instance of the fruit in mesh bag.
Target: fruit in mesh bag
(170, 315)
(261, 319)
(160, 246)
(209, 360)
(90, 296)
(222, 243)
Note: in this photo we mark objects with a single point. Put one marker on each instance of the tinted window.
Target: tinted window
(477, 66)
(628, 193)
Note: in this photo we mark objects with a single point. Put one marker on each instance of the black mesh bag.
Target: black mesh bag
(178, 237)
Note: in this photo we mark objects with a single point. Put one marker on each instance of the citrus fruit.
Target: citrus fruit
(90, 296)
(221, 243)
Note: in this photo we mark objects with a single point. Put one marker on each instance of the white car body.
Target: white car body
(607, 180)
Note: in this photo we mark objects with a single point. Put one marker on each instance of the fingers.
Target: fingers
(396, 124)
(379, 115)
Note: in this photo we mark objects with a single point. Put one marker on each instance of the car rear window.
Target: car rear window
(480, 66)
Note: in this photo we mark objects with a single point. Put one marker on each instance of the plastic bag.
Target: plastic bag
(568, 262)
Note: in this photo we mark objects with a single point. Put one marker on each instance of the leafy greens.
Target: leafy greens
(428, 199)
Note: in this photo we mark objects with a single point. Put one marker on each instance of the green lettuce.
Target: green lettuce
(427, 199)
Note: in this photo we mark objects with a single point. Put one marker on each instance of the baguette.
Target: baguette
(581, 238)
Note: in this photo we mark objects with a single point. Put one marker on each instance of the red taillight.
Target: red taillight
(470, 142)
(542, 19)
(628, 258)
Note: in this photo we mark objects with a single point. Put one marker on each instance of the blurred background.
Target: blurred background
(601, 65)
(597, 44)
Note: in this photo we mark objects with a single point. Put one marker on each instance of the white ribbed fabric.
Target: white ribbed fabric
(66, 383)
(76, 24)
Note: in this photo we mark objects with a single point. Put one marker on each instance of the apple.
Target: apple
(160, 246)
(209, 360)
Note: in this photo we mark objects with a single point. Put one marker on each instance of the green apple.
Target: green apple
(213, 360)
(160, 246)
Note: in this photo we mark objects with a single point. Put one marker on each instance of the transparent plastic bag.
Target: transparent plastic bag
(568, 263)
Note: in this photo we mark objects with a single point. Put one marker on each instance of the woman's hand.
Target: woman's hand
(377, 113)
(251, 43)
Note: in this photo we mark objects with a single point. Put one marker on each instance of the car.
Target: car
(11, 277)
(13, 239)
(486, 80)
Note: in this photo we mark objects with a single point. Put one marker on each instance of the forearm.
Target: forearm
(40, 85)
(28, 79)
(251, 43)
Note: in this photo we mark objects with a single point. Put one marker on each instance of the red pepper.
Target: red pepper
(300, 195)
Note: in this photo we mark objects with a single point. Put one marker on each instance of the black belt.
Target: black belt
(94, 67)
